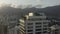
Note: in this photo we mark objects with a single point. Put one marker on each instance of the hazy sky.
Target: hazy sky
(44, 3)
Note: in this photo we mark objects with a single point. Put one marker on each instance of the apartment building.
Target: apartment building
(34, 23)
(12, 25)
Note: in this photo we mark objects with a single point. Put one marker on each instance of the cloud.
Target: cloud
(34, 3)
(26, 3)
(47, 3)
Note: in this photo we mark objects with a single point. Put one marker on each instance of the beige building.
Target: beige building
(55, 29)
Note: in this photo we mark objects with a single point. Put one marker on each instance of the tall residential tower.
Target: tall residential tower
(34, 23)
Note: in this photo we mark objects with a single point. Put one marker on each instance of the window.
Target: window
(38, 29)
(34, 19)
(30, 33)
(38, 26)
(38, 33)
(45, 23)
(30, 23)
(30, 30)
(44, 31)
(30, 27)
(38, 23)
(44, 28)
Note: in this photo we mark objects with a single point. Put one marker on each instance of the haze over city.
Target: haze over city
(32, 3)
(29, 16)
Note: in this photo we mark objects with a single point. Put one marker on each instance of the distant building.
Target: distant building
(8, 24)
(55, 29)
(3, 29)
(12, 25)
(34, 23)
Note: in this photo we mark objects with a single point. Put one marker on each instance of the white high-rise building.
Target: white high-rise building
(34, 23)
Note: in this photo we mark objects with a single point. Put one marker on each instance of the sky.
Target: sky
(44, 3)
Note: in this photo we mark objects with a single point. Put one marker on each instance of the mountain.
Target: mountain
(50, 11)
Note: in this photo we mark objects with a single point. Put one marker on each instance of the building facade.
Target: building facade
(8, 24)
(12, 25)
(34, 23)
